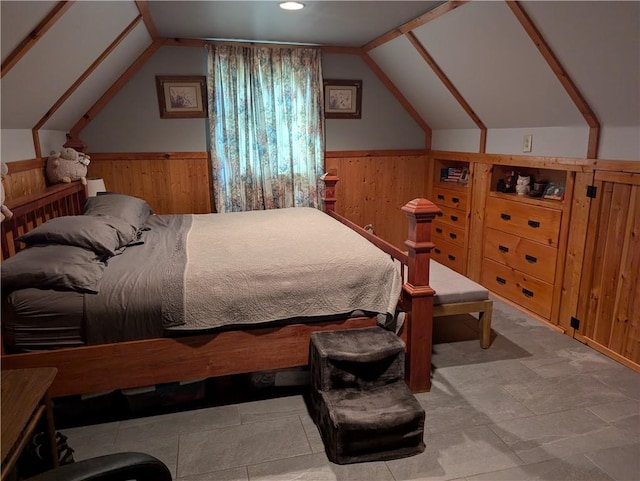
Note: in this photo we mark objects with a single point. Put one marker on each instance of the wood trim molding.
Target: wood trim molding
(562, 75)
(558, 163)
(431, 15)
(341, 50)
(184, 42)
(387, 37)
(341, 154)
(412, 24)
(398, 95)
(115, 88)
(87, 72)
(36, 34)
(35, 135)
(143, 8)
(111, 156)
(449, 85)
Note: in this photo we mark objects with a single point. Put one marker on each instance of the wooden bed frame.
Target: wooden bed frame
(102, 368)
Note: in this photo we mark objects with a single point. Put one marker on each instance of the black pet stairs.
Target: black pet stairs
(360, 402)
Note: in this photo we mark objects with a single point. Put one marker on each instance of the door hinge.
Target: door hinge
(592, 190)
(575, 323)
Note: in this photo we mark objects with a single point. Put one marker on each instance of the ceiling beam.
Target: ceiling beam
(115, 88)
(562, 75)
(398, 95)
(36, 34)
(449, 85)
(413, 24)
(143, 8)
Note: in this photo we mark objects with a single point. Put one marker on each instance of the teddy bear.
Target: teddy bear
(5, 212)
(67, 165)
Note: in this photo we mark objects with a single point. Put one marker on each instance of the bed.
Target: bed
(111, 363)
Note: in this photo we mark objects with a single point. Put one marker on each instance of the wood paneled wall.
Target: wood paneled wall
(374, 186)
(172, 183)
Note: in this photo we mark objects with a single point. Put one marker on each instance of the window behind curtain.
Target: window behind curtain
(265, 126)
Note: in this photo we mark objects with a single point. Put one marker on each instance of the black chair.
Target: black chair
(112, 467)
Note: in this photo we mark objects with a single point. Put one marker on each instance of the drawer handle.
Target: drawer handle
(439, 230)
(501, 280)
(454, 218)
(455, 199)
(452, 235)
(534, 223)
(440, 214)
(438, 251)
(531, 259)
(502, 248)
(440, 197)
(504, 216)
(527, 292)
(451, 258)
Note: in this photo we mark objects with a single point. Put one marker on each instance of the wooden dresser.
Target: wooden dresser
(449, 232)
(521, 238)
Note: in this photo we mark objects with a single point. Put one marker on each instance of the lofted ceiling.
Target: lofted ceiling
(347, 24)
(459, 66)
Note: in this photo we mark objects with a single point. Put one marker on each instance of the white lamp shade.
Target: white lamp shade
(94, 186)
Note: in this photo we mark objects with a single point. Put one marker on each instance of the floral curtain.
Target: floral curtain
(265, 126)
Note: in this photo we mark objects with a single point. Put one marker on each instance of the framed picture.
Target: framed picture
(342, 99)
(554, 191)
(182, 97)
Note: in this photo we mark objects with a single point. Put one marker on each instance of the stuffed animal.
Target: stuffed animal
(5, 213)
(522, 185)
(67, 165)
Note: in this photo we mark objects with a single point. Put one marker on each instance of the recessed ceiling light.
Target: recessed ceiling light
(292, 5)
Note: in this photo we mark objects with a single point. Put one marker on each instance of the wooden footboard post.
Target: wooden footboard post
(330, 180)
(418, 295)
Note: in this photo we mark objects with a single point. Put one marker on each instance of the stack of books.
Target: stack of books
(454, 174)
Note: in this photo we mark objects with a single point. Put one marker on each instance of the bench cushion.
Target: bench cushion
(452, 287)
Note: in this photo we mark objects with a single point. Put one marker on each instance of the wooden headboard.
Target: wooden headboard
(32, 210)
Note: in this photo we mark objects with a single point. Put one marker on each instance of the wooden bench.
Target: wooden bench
(457, 294)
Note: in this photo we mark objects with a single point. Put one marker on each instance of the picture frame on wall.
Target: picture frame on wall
(182, 97)
(342, 99)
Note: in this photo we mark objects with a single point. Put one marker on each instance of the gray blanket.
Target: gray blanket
(206, 271)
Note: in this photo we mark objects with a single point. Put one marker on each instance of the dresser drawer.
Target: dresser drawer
(520, 288)
(537, 223)
(446, 232)
(450, 255)
(531, 258)
(450, 198)
(452, 217)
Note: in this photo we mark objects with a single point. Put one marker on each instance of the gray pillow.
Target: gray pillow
(53, 266)
(130, 209)
(105, 235)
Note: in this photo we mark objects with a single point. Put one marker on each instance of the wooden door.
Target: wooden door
(608, 301)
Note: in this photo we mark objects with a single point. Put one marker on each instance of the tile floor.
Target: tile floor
(537, 405)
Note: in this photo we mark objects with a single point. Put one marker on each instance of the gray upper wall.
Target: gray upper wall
(131, 121)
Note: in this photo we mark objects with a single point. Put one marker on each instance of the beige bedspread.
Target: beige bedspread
(205, 271)
(253, 267)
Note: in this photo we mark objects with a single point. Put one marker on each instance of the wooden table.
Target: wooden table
(25, 398)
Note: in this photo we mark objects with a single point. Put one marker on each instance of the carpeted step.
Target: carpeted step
(355, 358)
(385, 422)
